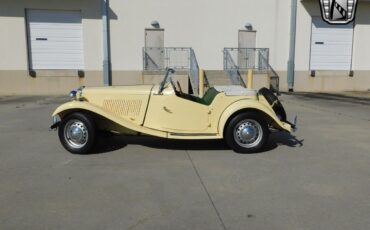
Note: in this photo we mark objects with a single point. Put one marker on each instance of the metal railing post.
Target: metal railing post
(201, 83)
(250, 79)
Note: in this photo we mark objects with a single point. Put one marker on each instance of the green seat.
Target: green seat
(208, 97)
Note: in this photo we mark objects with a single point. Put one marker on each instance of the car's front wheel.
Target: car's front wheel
(247, 133)
(77, 133)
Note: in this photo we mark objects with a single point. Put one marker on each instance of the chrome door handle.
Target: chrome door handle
(166, 109)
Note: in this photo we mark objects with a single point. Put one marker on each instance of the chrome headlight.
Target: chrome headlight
(76, 94)
(73, 94)
(56, 119)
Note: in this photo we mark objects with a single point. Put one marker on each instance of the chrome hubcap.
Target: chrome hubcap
(75, 133)
(248, 133)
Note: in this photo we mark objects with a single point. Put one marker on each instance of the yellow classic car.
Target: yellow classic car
(241, 116)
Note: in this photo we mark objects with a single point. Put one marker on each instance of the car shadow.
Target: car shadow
(109, 143)
(277, 139)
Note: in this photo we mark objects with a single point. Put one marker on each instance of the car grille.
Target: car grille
(123, 108)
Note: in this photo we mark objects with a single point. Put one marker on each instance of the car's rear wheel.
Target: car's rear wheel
(247, 133)
(77, 133)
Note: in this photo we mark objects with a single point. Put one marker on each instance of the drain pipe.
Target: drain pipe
(293, 32)
(107, 65)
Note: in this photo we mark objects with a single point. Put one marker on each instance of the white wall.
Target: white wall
(206, 25)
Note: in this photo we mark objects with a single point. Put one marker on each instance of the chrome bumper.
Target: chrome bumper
(294, 124)
(56, 122)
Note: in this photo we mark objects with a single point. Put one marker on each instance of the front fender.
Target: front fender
(252, 105)
(68, 107)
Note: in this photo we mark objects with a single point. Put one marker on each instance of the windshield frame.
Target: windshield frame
(165, 80)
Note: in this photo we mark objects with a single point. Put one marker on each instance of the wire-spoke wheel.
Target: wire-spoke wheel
(77, 133)
(247, 133)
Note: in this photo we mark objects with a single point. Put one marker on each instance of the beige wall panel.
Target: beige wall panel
(127, 77)
(15, 82)
(361, 48)
(18, 83)
(327, 81)
(13, 45)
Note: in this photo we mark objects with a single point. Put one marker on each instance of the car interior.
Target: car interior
(207, 99)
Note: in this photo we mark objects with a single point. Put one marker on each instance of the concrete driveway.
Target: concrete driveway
(317, 179)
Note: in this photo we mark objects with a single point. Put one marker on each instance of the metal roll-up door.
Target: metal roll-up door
(331, 46)
(55, 39)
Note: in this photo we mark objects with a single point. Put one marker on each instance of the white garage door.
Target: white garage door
(331, 47)
(55, 39)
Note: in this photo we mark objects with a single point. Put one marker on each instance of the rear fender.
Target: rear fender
(247, 105)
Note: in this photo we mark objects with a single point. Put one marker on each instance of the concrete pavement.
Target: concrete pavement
(316, 179)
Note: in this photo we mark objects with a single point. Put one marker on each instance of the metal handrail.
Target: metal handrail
(232, 69)
(276, 86)
(194, 72)
(249, 58)
(177, 58)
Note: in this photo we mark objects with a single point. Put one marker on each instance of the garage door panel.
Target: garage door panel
(59, 66)
(56, 32)
(65, 57)
(55, 39)
(330, 50)
(333, 59)
(334, 39)
(321, 54)
(331, 47)
(332, 30)
(44, 25)
(50, 41)
(70, 51)
(50, 16)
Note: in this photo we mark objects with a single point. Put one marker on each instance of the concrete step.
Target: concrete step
(220, 77)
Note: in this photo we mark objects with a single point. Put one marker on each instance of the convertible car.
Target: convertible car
(241, 116)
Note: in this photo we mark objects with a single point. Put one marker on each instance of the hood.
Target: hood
(114, 90)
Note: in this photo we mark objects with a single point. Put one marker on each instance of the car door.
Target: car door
(171, 113)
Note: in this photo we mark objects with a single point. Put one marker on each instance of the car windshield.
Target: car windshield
(169, 73)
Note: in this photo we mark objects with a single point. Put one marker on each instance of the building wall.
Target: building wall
(330, 81)
(207, 25)
(14, 78)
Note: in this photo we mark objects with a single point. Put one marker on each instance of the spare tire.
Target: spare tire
(280, 111)
(269, 95)
(274, 102)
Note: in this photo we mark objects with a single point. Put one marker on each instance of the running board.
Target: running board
(194, 136)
